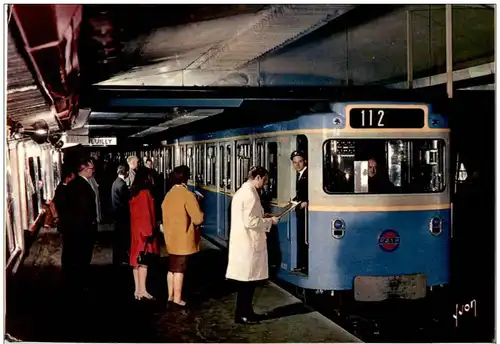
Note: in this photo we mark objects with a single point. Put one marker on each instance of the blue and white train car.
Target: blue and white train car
(391, 241)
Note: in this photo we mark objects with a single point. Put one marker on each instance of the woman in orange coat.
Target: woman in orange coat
(181, 218)
(142, 226)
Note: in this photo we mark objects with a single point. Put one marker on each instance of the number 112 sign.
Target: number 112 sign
(386, 118)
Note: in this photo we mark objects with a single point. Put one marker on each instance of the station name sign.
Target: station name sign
(103, 141)
(386, 118)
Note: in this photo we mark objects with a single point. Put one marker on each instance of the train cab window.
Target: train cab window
(211, 163)
(302, 143)
(272, 167)
(383, 166)
(243, 160)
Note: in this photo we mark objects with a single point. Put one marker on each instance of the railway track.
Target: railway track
(386, 326)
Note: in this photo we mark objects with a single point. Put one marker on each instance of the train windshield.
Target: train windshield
(383, 166)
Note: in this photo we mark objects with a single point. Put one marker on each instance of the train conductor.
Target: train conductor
(299, 161)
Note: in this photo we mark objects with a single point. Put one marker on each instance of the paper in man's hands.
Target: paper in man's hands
(288, 208)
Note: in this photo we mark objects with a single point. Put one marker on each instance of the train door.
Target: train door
(300, 218)
(224, 190)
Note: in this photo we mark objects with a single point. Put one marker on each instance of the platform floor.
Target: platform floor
(38, 311)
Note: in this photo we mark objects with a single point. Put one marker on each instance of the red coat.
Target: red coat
(142, 223)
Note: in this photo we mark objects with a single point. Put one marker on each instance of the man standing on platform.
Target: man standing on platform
(81, 232)
(120, 197)
(247, 243)
(133, 163)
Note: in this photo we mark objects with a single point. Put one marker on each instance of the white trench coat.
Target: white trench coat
(247, 238)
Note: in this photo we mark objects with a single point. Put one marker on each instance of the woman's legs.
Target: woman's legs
(178, 281)
(135, 271)
(170, 285)
(175, 278)
(143, 273)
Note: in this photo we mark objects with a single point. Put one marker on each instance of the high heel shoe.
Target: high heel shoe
(146, 296)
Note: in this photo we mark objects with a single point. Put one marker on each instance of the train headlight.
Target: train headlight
(338, 228)
(435, 225)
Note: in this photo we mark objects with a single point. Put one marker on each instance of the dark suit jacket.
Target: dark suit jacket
(301, 187)
(82, 214)
(61, 202)
(120, 196)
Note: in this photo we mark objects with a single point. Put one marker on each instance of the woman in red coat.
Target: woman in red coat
(142, 225)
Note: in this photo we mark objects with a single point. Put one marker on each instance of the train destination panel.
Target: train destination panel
(388, 118)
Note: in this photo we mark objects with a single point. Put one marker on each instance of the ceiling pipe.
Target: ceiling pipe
(50, 38)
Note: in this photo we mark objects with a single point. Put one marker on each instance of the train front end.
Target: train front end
(380, 219)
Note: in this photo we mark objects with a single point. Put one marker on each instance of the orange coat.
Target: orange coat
(181, 214)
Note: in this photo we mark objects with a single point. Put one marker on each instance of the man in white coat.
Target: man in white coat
(247, 243)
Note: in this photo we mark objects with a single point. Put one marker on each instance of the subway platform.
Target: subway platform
(38, 310)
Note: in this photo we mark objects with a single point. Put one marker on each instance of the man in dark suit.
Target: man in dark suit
(299, 161)
(80, 235)
(120, 196)
(60, 203)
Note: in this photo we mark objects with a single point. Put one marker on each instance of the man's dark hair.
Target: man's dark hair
(83, 162)
(257, 171)
(122, 169)
(180, 175)
(67, 171)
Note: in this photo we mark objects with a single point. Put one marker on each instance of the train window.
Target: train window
(200, 168)
(302, 143)
(183, 155)
(211, 172)
(244, 158)
(168, 160)
(31, 190)
(383, 166)
(55, 168)
(190, 162)
(272, 167)
(10, 200)
(260, 156)
(222, 180)
(228, 166)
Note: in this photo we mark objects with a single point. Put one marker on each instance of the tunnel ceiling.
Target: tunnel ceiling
(236, 45)
(190, 45)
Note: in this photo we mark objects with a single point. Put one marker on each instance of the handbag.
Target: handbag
(145, 257)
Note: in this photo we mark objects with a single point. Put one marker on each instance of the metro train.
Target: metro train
(363, 245)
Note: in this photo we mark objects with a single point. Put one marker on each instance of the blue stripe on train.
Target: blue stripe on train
(334, 263)
(308, 121)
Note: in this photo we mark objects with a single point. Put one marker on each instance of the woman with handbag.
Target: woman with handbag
(182, 217)
(144, 245)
